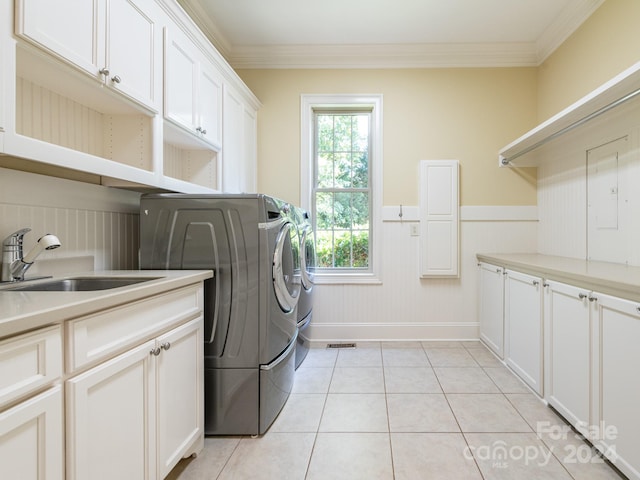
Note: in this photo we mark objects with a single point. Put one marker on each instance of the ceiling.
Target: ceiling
(387, 33)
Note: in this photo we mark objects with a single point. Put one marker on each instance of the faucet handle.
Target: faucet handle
(15, 239)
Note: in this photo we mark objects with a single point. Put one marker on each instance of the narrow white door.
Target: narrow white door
(133, 54)
(180, 79)
(69, 28)
(180, 393)
(523, 327)
(210, 104)
(607, 200)
(567, 352)
(32, 438)
(619, 392)
(232, 143)
(111, 419)
(491, 307)
(439, 205)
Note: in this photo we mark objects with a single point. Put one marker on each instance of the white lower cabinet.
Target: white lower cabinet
(32, 438)
(136, 415)
(491, 307)
(568, 353)
(523, 327)
(618, 396)
(31, 421)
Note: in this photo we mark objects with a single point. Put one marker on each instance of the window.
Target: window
(341, 184)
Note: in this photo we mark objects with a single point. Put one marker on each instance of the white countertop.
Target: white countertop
(604, 277)
(21, 311)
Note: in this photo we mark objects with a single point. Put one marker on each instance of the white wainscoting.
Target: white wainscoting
(97, 226)
(405, 307)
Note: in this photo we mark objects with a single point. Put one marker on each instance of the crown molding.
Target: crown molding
(565, 24)
(385, 56)
(440, 55)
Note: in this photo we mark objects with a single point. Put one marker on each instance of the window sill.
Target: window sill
(346, 279)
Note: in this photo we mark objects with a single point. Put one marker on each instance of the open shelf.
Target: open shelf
(621, 89)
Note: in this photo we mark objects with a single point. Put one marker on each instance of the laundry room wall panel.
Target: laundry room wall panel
(405, 307)
(563, 184)
(98, 226)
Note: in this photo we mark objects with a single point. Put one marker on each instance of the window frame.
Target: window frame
(373, 103)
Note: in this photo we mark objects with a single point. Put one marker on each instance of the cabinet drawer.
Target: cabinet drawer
(97, 337)
(28, 362)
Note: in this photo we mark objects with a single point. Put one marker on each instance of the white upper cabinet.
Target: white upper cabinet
(118, 42)
(239, 144)
(193, 88)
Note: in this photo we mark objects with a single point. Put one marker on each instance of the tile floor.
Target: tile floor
(404, 410)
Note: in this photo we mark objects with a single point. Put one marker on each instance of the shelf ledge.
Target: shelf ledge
(615, 92)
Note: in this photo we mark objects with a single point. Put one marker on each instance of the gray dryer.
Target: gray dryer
(250, 303)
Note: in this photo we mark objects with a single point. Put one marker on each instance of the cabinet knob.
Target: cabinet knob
(536, 283)
(165, 346)
(104, 71)
(201, 130)
(155, 351)
(582, 296)
(593, 299)
(116, 79)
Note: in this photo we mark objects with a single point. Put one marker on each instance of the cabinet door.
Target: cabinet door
(619, 392)
(567, 352)
(250, 149)
(180, 79)
(523, 327)
(210, 104)
(111, 420)
(69, 28)
(180, 393)
(491, 307)
(31, 438)
(232, 143)
(133, 56)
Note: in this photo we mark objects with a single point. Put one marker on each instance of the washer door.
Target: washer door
(286, 268)
(307, 259)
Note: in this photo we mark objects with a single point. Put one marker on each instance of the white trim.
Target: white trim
(392, 213)
(385, 56)
(471, 213)
(331, 332)
(563, 26)
(499, 213)
(307, 104)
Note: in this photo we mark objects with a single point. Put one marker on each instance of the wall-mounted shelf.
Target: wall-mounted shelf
(617, 91)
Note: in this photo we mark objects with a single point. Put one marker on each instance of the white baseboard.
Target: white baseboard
(335, 332)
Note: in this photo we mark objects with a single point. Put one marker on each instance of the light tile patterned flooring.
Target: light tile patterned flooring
(404, 410)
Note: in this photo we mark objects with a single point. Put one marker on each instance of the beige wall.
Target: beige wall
(464, 114)
(605, 45)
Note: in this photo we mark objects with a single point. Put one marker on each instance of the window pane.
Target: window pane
(325, 133)
(360, 170)
(361, 249)
(360, 211)
(361, 133)
(342, 211)
(325, 170)
(342, 170)
(342, 133)
(324, 248)
(342, 249)
(324, 211)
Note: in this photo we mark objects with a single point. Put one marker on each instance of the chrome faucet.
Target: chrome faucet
(14, 264)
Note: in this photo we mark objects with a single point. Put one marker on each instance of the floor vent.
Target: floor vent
(341, 345)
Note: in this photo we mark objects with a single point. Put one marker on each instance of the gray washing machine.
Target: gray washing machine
(307, 271)
(250, 303)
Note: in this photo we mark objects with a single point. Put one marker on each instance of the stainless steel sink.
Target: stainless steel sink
(80, 284)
